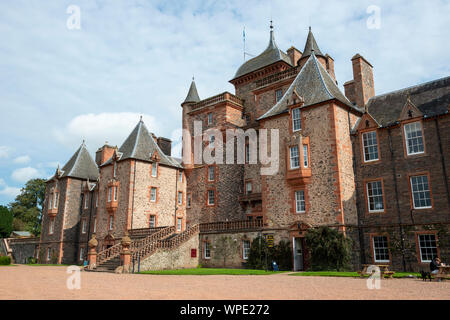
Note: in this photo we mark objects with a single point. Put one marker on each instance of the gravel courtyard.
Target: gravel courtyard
(25, 282)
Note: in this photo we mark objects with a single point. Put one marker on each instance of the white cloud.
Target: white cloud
(22, 159)
(11, 192)
(4, 152)
(25, 174)
(96, 129)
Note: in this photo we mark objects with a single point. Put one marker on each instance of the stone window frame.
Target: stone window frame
(182, 198)
(49, 254)
(206, 243)
(277, 97)
(411, 196)
(405, 144)
(181, 225)
(149, 220)
(243, 241)
(215, 173)
(95, 225)
(363, 154)
(157, 169)
(51, 227)
(86, 200)
(81, 255)
(366, 195)
(209, 119)
(294, 202)
(372, 247)
(111, 219)
(292, 120)
(290, 156)
(156, 194)
(188, 200)
(207, 197)
(84, 226)
(246, 182)
(418, 251)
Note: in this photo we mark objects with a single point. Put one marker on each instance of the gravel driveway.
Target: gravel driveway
(25, 282)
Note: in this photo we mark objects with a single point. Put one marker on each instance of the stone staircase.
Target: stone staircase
(108, 260)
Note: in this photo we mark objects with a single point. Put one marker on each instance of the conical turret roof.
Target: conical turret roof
(269, 56)
(81, 165)
(311, 45)
(192, 95)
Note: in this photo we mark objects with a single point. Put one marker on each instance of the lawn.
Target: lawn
(211, 271)
(346, 274)
(46, 265)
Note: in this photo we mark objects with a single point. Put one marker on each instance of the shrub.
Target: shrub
(5, 260)
(329, 249)
(31, 260)
(281, 253)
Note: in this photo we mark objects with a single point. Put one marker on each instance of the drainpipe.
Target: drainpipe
(176, 198)
(394, 173)
(89, 223)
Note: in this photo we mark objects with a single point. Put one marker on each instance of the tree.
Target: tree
(225, 248)
(27, 207)
(6, 222)
(281, 253)
(329, 249)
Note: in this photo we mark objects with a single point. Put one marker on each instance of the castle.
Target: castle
(374, 167)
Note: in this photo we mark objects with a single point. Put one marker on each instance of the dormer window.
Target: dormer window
(414, 138)
(55, 204)
(110, 194)
(115, 193)
(296, 119)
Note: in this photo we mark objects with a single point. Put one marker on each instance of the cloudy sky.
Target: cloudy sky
(60, 85)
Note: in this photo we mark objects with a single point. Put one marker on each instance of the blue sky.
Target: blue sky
(60, 86)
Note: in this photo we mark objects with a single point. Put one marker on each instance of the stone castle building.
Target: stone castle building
(374, 167)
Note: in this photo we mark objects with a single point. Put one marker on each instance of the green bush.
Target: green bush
(329, 249)
(281, 253)
(32, 260)
(5, 260)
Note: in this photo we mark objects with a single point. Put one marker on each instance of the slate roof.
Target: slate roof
(310, 46)
(141, 145)
(313, 84)
(431, 98)
(192, 95)
(81, 165)
(269, 56)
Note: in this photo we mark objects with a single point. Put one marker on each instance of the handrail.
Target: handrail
(109, 253)
(136, 245)
(151, 247)
(231, 225)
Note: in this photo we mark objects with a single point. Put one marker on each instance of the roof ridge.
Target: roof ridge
(409, 88)
(78, 152)
(137, 138)
(313, 55)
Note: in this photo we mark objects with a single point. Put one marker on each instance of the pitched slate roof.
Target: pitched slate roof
(310, 46)
(313, 84)
(269, 56)
(431, 98)
(81, 165)
(141, 145)
(192, 95)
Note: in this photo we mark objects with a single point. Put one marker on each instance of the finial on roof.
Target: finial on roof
(83, 143)
(271, 25)
(140, 120)
(309, 28)
(193, 78)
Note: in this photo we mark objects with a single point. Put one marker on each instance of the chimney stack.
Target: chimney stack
(165, 145)
(104, 153)
(361, 88)
(294, 54)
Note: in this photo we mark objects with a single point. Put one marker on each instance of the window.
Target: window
(278, 95)
(50, 201)
(370, 146)
(420, 190)
(179, 224)
(56, 200)
(180, 176)
(212, 138)
(245, 249)
(295, 162)
(188, 200)
(247, 118)
(247, 153)
(210, 118)
(152, 221)
(115, 193)
(305, 156)
(180, 197)
(111, 222)
(207, 250)
(248, 187)
(427, 247)
(83, 228)
(81, 254)
(86, 200)
(52, 226)
(109, 194)
(380, 249)
(152, 194)
(414, 138)
(95, 225)
(296, 119)
(154, 169)
(300, 201)
(211, 173)
(96, 200)
(49, 253)
(375, 196)
(115, 169)
(211, 199)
